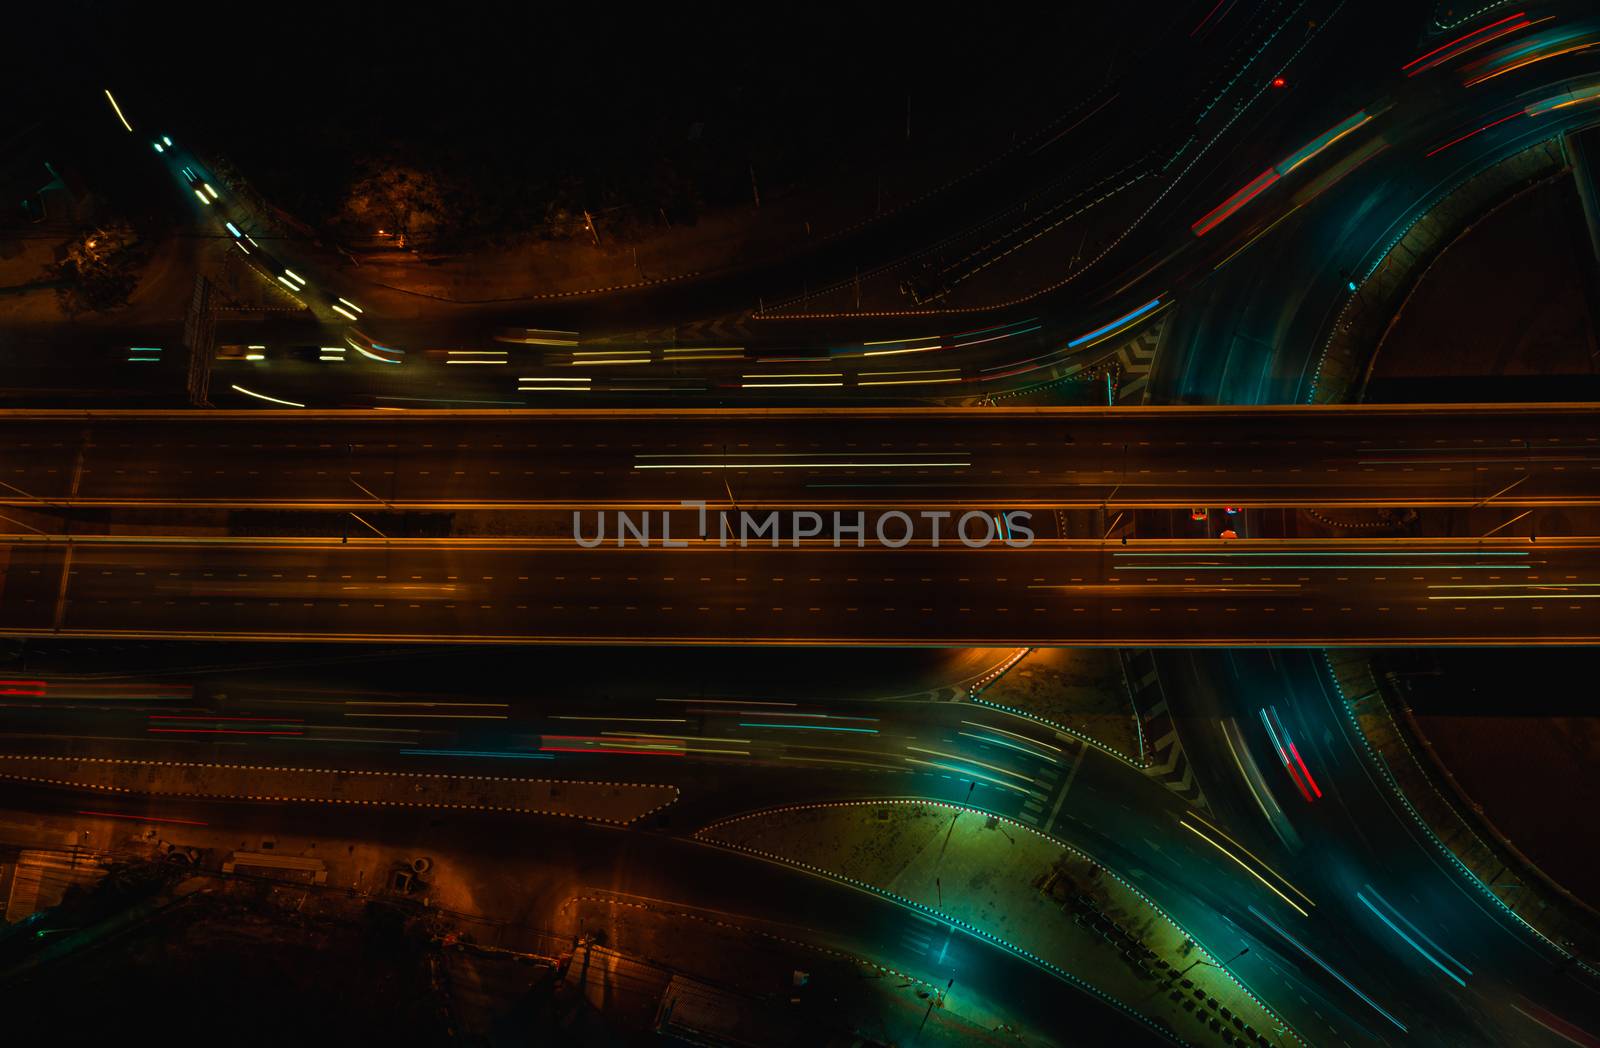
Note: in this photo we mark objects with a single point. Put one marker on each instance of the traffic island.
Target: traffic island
(819, 990)
(1079, 690)
(1008, 884)
(616, 803)
(1379, 293)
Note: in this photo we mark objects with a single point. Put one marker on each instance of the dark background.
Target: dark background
(516, 117)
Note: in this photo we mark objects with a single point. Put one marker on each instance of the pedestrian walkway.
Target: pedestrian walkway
(1023, 891)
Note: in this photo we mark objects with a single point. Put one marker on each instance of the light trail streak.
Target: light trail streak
(1322, 142)
(1012, 734)
(965, 774)
(1121, 321)
(1409, 940)
(788, 385)
(1008, 745)
(969, 760)
(263, 396)
(142, 818)
(368, 353)
(641, 720)
(477, 753)
(118, 109)
(1230, 206)
(1457, 141)
(1412, 68)
(808, 727)
(1245, 867)
(1325, 966)
(800, 465)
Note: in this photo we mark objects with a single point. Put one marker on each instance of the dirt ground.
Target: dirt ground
(1518, 743)
(1081, 688)
(1508, 299)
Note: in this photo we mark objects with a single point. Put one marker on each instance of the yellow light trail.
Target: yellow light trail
(1531, 60)
(118, 110)
(437, 716)
(894, 352)
(785, 385)
(263, 396)
(892, 341)
(968, 774)
(1241, 248)
(969, 760)
(1245, 867)
(684, 738)
(1281, 878)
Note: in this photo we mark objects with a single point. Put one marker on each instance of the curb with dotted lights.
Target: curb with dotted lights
(438, 805)
(1416, 816)
(972, 929)
(997, 672)
(1063, 729)
(731, 926)
(1340, 322)
(1463, 19)
(1113, 375)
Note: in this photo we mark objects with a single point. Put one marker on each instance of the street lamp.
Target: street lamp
(1208, 964)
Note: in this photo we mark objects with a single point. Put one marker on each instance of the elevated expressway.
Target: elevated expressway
(541, 586)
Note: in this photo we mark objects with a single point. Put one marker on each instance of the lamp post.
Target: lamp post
(1208, 964)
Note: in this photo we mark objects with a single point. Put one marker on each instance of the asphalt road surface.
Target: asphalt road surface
(1515, 455)
(1175, 592)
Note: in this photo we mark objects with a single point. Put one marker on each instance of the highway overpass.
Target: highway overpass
(1060, 592)
(1154, 457)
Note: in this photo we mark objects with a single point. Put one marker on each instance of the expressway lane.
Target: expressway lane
(1516, 455)
(1353, 843)
(1173, 592)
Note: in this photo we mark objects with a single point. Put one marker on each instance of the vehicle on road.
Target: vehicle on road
(201, 187)
(371, 348)
(538, 336)
(342, 306)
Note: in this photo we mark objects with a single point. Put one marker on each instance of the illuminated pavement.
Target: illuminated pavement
(731, 755)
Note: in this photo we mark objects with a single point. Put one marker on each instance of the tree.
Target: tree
(398, 200)
(99, 270)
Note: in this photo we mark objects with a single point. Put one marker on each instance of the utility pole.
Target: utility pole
(938, 998)
(970, 787)
(588, 220)
(725, 485)
(755, 190)
(1208, 964)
